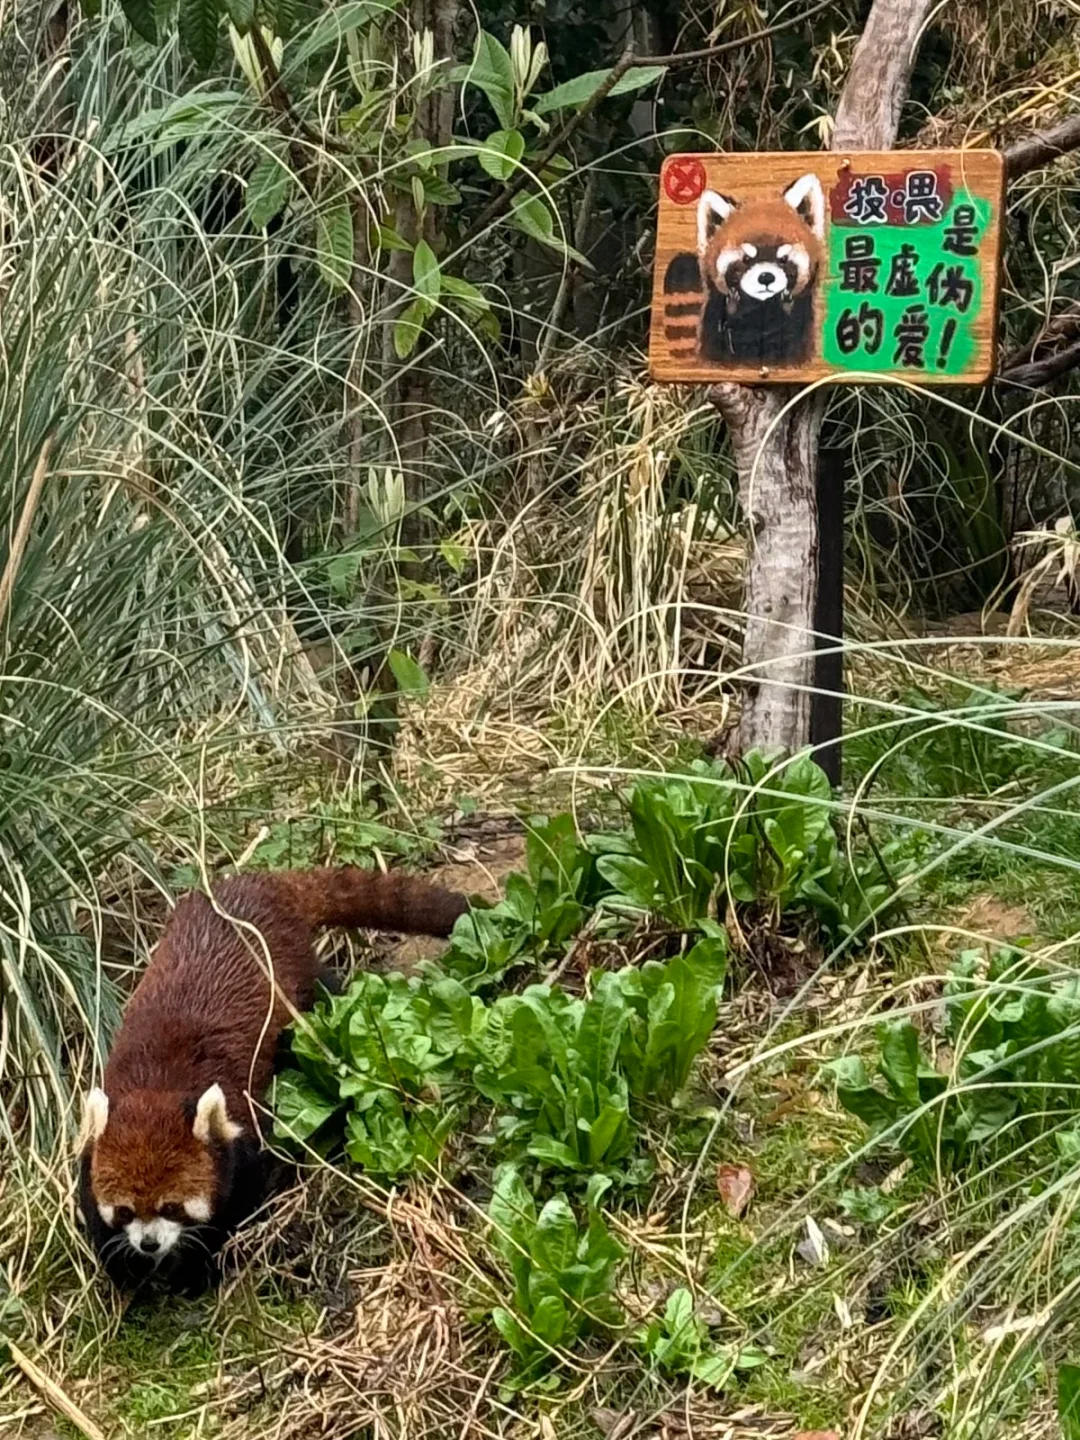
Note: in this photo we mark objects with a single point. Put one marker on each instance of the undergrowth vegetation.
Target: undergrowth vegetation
(341, 526)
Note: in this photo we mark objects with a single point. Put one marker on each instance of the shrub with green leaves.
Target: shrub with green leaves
(759, 834)
(1015, 1031)
(563, 1272)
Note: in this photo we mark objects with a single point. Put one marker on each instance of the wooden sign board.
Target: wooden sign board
(798, 266)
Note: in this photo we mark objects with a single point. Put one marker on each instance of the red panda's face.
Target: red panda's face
(762, 250)
(153, 1176)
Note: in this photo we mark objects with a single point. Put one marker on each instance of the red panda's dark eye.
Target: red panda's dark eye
(171, 1212)
(122, 1216)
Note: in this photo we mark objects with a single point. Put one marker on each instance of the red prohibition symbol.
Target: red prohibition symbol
(684, 179)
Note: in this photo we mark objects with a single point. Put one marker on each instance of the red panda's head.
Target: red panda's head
(762, 249)
(153, 1164)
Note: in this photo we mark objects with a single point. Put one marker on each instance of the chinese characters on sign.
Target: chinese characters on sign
(908, 239)
(797, 267)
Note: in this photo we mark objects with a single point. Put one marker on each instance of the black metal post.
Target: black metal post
(827, 702)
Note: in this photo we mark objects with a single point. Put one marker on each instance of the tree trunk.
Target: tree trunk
(776, 451)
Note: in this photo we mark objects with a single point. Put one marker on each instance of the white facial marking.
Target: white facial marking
(154, 1237)
(108, 1213)
(764, 281)
(198, 1209)
(749, 250)
(783, 252)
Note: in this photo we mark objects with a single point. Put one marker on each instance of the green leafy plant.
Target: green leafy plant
(761, 835)
(563, 1273)
(380, 1068)
(552, 1068)
(540, 911)
(679, 1343)
(1016, 1033)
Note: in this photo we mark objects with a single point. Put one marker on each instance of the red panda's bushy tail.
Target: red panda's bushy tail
(370, 899)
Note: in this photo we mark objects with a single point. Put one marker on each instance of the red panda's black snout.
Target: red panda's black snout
(171, 1161)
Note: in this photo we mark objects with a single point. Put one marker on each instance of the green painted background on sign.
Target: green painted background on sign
(868, 328)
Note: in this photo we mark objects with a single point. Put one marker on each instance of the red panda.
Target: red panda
(171, 1161)
(746, 296)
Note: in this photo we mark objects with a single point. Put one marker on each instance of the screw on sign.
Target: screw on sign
(684, 179)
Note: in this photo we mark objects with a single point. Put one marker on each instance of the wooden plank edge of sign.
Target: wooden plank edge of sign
(665, 369)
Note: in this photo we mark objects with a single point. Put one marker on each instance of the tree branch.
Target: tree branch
(1041, 148)
(687, 57)
(627, 61)
(502, 201)
(1040, 372)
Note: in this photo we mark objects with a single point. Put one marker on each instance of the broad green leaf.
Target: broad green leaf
(426, 274)
(555, 1242)
(609, 1134)
(491, 70)
(408, 327)
(577, 91)
(596, 1189)
(512, 1211)
(549, 1319)
(874, 1109)
(334, 244)
(386, 239)
(500, 153)
(553, 1152)
(468, 299)
(300, 1106)
(900, 1060)
(600, 1032)
(140, 16)
(519, 1341)
(198, 30)
(268, 190)
(1068, 1397)
(241, 13)
(629, 876)
(437, 191)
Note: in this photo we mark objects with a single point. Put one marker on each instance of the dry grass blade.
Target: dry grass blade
(54, 1394)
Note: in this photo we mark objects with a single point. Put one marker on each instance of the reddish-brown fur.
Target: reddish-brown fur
(204, 1014)
(762, 223)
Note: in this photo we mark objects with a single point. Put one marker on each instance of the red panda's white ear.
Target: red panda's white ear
(713, 209)
(808, 198)
(212, 1117)
(95, 1115)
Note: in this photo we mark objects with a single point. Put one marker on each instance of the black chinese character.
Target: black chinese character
(867, 200)
(948, 285)
(910, 334)
(867, 326)
(859, 267)
(961, 235)
(902, 278)
(921, 197)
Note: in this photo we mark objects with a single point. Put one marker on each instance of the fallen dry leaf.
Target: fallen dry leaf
(817, 1435)
(736, 1186)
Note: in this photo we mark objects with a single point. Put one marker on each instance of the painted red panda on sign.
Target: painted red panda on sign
(171, 1161)
(747, 295)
